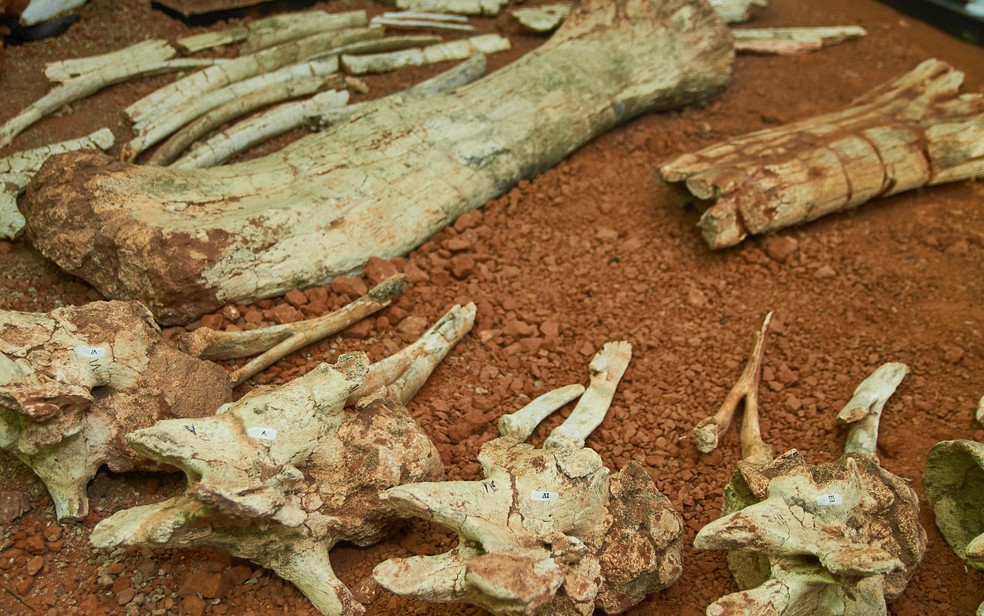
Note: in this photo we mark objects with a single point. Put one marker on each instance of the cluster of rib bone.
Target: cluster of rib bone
(548, 531)
(838, 538)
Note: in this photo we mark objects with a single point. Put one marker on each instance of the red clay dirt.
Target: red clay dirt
(592, 250)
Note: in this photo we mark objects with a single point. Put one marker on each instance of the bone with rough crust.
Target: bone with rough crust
(840, 538)
(488, 8)
(954, 482)
(17, 170)
(140, 59)
(442, 52)
(265, 33)
(51, 419)
(607, 368)
(271, 344)
(189, 241)
(792, 41)
(911, 132)
(710, 430)
(296, 474)
(863, 411)
(547, 532)
(542, 19)
(521, 424)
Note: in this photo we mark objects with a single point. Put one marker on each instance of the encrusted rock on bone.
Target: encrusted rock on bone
(954, 481)
(548, 531)
(838, 538)
(285, 473)
(75, 380)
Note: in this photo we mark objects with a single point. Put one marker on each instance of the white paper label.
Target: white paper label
(262, 434)
(86, 352)
(826, 500)
(539, 495)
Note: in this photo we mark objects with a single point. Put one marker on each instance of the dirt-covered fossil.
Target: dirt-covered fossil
(283, 474)
(548, 531)
(188, 241)
(836, 538)
(954, 482)
(74, 381)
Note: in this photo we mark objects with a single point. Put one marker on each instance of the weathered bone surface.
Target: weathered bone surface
(839, 538)
(411, 20)
(296, 474)
(954, 482)
(75, 380)
(542, 19)
(521, 424)
(189, 241)
(488, 8)
(735, 11)
(914, 131)
(792, 41)
(546, 532)
(863, 411)
(980, 411)
(38, 11)
(441, 52)
(17, 170)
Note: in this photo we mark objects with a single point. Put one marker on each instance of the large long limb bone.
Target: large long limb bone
(189, 241)
(863, 411)
(708, 431)
(51, 417)
(912, 132)
(546, 532)
(281, 476)
(17, 170)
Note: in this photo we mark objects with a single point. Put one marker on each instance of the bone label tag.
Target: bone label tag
(540, 495)
(262, 434)
(829, 500)
(87, 352)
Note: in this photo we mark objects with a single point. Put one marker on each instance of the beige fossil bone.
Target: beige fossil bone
(488, 8)
(38, 11)
(736, 11)
(837, 538)
(791, 41)
(914, 131)
(189, 241)
(409, 19)
(271, 31)
(441, 52)
(296, 474)
(53, 421)
(521, 424)
(542, 19)
(980, 411)
(546, 532)
(61, 71)
(954, 482)
(863, 411)
(17, 170)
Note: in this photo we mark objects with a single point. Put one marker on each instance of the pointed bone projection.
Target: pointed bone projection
(911, 132)
(839, 538)
(548, 531)
(74, 381)
(189, 241)
(281, 476)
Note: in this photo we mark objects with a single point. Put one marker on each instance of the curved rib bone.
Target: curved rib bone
(521, 424)
(190, 241)
(863, 411)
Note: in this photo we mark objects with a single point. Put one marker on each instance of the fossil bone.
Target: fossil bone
(521, 424)
(954, 482)
(189, 241)
(295, 474)
(546, 532)
(487, 8)
(790, 41)
(863, 411)
(735, 11)
(408, 19)
(542, 19)
(441, 52)
(17, 170)
(980, 411)
(38, 11)
(914, 131)
(265, 33)
(52, 419)
(838, 538)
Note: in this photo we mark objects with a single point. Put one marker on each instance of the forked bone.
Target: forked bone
(839, 538)
(863, 411)
(281, 476)
(546, 532)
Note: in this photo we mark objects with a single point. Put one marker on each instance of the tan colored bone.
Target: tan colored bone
(441, 52)
(863, 411)
(735, 11)
(296, 473)
(459, 7)
(954, 482)
(547, 532)
(792, 41)
(839, 538)
(521, 424)
(188, 242)
(542, 19)
(265, 33)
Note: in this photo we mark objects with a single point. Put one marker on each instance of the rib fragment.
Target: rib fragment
(792, 41)
(547, 532)
(841, 538)
(17, 170)
(488, 8)
(736, 11)
(271, 31)
(441, 52)
(863, 411)
(189, 241)
(914, 131)
(542, 19)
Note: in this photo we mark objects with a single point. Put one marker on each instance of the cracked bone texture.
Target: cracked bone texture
(863, 411)
(547, 531)
(954, 482)
(488, 8)
(74, 381)
(297, 473)
(224, 234)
